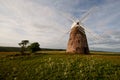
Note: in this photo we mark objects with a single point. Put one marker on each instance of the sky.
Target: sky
(46, 22)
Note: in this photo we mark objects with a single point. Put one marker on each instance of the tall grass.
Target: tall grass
(60, 67)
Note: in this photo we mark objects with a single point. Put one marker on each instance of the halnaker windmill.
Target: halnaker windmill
(77, 42)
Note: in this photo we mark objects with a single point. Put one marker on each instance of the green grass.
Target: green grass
(57, 65)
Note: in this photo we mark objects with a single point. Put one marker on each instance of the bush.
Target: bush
(34, 47)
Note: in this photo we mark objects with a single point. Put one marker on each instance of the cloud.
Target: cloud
(105, 22)
(28, 20)
(43, 21)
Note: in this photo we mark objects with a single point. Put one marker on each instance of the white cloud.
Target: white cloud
(41, 20)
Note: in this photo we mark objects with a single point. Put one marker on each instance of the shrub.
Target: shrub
(34, 47)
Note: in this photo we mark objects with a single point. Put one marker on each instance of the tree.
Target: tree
(34, 47)
(23, 44)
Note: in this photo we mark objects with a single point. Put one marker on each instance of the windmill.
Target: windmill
(77, 42)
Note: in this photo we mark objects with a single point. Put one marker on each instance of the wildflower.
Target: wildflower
(49, 59)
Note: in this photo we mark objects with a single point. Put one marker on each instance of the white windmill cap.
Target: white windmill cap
(73, 25)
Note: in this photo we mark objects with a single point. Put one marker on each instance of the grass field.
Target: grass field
(57, 65)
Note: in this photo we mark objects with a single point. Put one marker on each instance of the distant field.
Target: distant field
(17, 49)
(9, 49)
(57, 65)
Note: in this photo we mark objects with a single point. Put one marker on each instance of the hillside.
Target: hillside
(9, 49)
(17, 49)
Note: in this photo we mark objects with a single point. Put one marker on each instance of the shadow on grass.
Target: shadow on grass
(92, 53)
(97, 53)
(49, 53)
(64, 53)
(106, 54)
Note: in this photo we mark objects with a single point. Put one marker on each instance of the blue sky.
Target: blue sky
(43, 21)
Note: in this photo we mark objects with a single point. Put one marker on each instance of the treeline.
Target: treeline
(47, 49)
(17, 49)
(9, 49)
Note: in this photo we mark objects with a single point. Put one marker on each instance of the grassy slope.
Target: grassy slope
(56, 65)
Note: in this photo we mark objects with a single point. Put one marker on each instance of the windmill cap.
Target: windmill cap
(77, 23)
